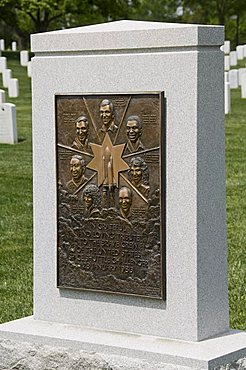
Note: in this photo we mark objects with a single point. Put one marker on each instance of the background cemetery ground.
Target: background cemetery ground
(16, 206)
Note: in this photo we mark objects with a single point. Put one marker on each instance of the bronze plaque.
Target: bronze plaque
(111, 192)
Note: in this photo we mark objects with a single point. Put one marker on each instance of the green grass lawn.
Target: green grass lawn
(236, 209)
(16, 208)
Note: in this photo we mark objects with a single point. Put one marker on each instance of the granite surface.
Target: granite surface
(196, 307)
(127, 35)
(26, 356)
(204, 354)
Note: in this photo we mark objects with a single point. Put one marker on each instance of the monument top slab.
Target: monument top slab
(127, 35)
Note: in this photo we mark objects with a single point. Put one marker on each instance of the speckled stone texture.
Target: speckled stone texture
(26, 356)
(184, 61)
(187, 64)
(21, 355)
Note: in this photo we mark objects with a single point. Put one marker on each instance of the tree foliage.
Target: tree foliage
(157, 10)
(19, 18)
(231, 13)
(31, 16)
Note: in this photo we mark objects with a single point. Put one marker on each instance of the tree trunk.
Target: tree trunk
(237, 30)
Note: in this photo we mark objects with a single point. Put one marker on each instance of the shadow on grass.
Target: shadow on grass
(21, 139)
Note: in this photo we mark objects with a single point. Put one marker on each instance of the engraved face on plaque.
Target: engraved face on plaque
(111, 193)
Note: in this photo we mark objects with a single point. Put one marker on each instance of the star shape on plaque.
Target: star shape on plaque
(108, 162)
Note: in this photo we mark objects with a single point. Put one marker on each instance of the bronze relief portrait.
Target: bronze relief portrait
(110, 151)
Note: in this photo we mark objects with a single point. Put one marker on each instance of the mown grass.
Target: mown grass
(16, 208)
(236, 209)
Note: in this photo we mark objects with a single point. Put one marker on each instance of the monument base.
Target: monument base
(206, 354)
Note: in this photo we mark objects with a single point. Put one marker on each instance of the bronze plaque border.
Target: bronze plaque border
(162, 173)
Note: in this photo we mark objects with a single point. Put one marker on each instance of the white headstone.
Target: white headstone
(2, 96)
(243, 87)
(24, 57)
(14, 46)
(241, 72)
(226, 76)
(240, 53)
(29, 69)
(233, 78)
(8, 130)
(227, 97)
(227, 46)
(13, 88)
(3, 64)
(244, 51)
(233, 58)
(227, 62)
(7, 75)
(2, 44)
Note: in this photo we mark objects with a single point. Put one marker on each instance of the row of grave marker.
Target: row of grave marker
(8, 126)
(8, 130)
(12, 83)
(13, 45)
(234, 78)
(232, 57)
